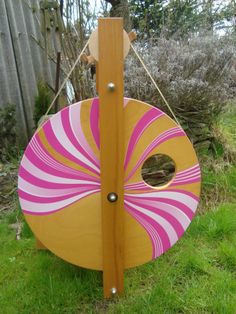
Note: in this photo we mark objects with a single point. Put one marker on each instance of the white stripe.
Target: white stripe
(32, 169)
(177, 196)
(44, 207)
(39, 191)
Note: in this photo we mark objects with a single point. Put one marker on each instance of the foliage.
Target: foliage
(219, 165)
(8, 134)
(195, 76)
(181, 18)
(42, 102)
(79, 21)
(226, 128)
(218, 182)
(150, 18)
(82, 13)
(65, 27)
(121, 8)
(8, 186)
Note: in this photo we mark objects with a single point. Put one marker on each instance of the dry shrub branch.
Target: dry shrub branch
(196, 76)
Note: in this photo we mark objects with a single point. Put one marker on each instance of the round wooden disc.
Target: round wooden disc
(93, 44)
(59, 184)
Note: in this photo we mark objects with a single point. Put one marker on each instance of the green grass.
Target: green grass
(219, 172)
(197, 275)
(218, 184)
(228, 123)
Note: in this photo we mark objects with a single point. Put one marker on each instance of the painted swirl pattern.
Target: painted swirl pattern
(61, 167)
(164, 213)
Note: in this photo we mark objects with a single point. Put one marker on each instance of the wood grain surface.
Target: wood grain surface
(110, 39)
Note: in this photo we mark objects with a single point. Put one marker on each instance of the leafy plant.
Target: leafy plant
(42, 101)
(179, 18)
(8, 135)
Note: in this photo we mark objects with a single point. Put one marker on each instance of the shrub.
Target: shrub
(196, 77)
(8, 136)
(42, 101)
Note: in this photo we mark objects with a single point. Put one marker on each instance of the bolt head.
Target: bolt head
(111, 86)
(113, 291)
(112, 197)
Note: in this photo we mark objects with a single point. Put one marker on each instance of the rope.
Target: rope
(141, 61)
(154, 83)
(65, 80)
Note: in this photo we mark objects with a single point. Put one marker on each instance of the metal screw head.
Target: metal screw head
(111, 86)
(113, 291)
(112, 197)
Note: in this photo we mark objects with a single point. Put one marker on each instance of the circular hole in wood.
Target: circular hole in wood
(158, 170)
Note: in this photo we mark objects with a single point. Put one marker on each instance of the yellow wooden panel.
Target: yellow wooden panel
(74, 231)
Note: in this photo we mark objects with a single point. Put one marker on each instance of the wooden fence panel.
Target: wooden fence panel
(22, 60)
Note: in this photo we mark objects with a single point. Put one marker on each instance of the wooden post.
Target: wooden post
(57, 79)
(97, 75)
(110, 85)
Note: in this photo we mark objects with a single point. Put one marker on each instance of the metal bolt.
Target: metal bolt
(112, 197)
(113, 291)
(111, 87)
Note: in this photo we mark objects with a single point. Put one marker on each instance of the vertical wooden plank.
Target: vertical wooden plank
(110, 41)
(57, 81)
(97, 75)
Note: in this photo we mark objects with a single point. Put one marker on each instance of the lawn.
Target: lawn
(197, 275)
